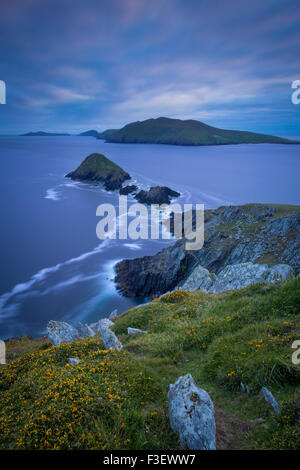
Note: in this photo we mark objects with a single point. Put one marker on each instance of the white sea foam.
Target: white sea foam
(52, 194)
(133, 246)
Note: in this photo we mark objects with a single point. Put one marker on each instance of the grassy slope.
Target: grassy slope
(119, 400)
(189, 132)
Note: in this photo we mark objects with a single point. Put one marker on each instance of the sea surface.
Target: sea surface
(53, 266)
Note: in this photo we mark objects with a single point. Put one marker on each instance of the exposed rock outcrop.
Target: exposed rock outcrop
(61, 332)
(125, 190)
(261, 234)
(108, 337)
(191, 414)
(242, 275)
(200, 278)
(156, 195)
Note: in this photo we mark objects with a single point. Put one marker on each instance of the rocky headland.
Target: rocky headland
(264, 235)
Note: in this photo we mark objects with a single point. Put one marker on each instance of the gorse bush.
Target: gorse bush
(119, 400)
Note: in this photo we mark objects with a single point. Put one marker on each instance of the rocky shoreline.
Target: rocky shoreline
(253, 233)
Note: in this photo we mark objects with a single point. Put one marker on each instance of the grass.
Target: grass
(119, 400)
(185, 132)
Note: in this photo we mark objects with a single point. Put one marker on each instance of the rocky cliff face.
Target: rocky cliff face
(264, 234)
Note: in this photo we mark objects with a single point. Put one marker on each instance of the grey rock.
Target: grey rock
(280, 272)
(103, 323)
(268, 396)
(135, 331)
(108, 337)
(191, 414)
(200, 278)
(73, 361)
(85, 331)
(113, 314)
(233, 235)
(61, 332)
(244, 274)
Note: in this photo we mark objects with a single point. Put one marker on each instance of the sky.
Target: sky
(72, 65)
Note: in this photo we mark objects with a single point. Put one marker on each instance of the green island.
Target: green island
(185, 132)
(98, 168)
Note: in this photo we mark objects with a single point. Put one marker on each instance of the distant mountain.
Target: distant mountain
(177, 132)
(106, 134)
(42, 134)
(91, 133)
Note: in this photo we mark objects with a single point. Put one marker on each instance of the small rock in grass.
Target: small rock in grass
(73, 360)
(135, 331)
(268, 396)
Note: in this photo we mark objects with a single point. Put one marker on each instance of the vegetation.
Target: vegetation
(97, 167)
(119, 400)
(190, 132)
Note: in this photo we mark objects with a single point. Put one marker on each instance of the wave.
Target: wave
(52, 194)
(42, 275)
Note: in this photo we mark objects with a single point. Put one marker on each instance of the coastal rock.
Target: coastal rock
(135, 331)
(125, 190)
(98, 168)
(257, 233)
(113, 314)
(280, 272)
(200, 278)
(103, 323)
(61, 332)
(243, 274)
(108, 337)
(156, 195)
(191, 414)
(73, 361)
(85, 331)
(268, 396)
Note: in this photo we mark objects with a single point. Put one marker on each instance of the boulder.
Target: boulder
(73, 361)
(200, 278)
(108, 337)
(61, 332)
(85, 331)
(268, 396)
(135, 331)
(191, 414)
(113, 314)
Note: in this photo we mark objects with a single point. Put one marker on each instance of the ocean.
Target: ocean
(53, 266)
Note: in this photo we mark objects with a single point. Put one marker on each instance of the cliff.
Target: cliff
(265, 234)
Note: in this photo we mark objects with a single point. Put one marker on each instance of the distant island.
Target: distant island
(90, 133)
(189, 132)
(42, 134)
(98, 168)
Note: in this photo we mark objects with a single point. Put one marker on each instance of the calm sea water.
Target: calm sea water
(52, 264)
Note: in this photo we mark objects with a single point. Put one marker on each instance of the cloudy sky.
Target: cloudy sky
(73, 65)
